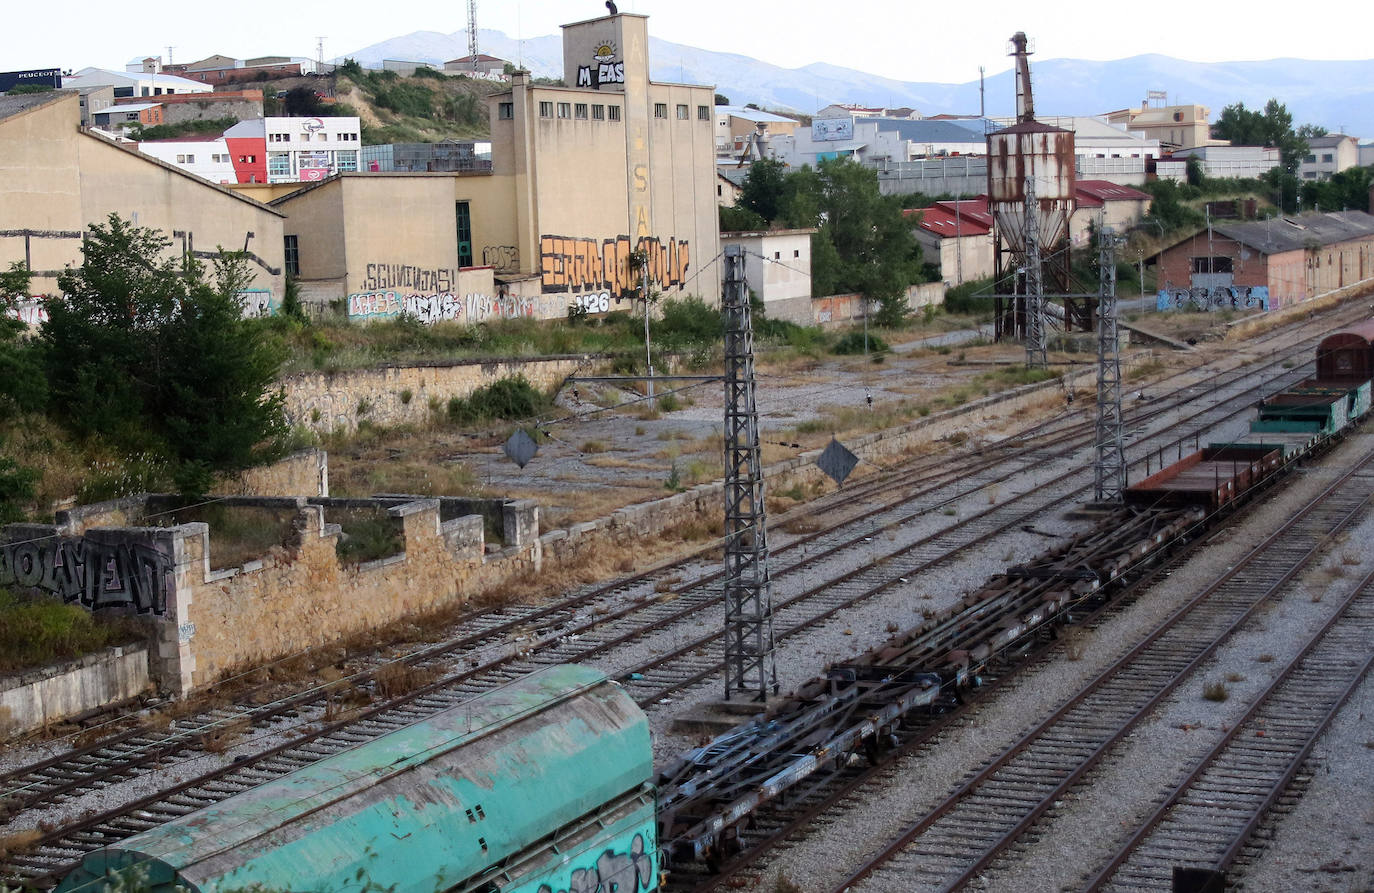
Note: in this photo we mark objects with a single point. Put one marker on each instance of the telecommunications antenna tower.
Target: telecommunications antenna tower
(472, 33)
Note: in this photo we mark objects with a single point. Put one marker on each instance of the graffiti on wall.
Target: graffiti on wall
(501, 257)
(1218, 297)
(96, 574)
(379, 277)
(571, 264)
(30, 311)
(624, 872)
(443, 307)
(257, 302)
(603, 70)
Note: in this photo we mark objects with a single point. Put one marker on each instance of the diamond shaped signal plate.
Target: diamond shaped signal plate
(837, 461)
(520, 448)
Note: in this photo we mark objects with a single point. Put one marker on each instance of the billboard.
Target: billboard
(825, 129)
(46, 77)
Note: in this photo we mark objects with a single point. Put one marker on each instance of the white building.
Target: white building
(134, 83)
(1232, 161)
(880, 140)
(208, 158)
(777, 267)
(1327, 155)
(303, 149)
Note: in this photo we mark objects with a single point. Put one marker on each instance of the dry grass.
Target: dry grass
(1215, 691)
(802, 524)
(1075, 642)
(18, 841)
(1265, 658)
(1234, 677)
(395, 679)
(226, 736)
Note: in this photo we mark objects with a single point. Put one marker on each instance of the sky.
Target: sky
(941, 42)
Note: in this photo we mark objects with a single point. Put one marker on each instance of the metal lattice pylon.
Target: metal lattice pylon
(1037, 349)
(750, 669)
(1109, 465)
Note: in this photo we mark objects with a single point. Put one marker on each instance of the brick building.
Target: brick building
(1295, 258)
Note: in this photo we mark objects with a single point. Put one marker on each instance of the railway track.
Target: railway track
(599, 612)
(575, 630)
(1206, 821)
(989, 812)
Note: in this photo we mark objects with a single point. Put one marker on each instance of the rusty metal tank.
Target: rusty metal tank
(1045, 153)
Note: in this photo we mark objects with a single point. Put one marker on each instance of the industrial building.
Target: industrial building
(1328, 155)
(1294, 258)
(1174, 127)
(544, 232)
(56, 179)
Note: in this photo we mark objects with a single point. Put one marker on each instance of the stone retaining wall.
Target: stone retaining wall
(407, 395)
(70, 689)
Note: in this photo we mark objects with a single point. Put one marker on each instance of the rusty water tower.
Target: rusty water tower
(1044, 155)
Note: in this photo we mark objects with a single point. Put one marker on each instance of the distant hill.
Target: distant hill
(1336, 95)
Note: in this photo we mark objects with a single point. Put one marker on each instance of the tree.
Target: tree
(1346, 190)
(22, 386)
(153, 354)
(1272, 128)
(763, 188)
(863, 243)
(722, 99)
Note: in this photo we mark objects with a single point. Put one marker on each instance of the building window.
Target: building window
(613, 112)
(123, 92)
(598, 112)
(293, 256)
(464, 215)
(1327, 157)
(796, 252)
(279, 164)
(248, 159)
(1309, 175)
(546, 109)
(703, 113)
(1212, 265)
(580, 111)
(1311, 159)
(181, 159)
(505, 110)
(660, 110)
(681, 112)
(346, 160)
(565, 110)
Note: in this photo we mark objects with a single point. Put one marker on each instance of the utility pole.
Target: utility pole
(982, 111)
(644, 290)
(958, 239)
(750, 668)
(1037, 349)
(1109, 465)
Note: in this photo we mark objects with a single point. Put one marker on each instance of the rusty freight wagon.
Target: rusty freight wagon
(1212, 478)
(1347, 355)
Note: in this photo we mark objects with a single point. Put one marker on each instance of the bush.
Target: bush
(688, 322)
(854, 342)
(509, 398)
(40, 631)
(972, 298)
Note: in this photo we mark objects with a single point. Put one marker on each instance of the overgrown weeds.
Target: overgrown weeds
(39, 631)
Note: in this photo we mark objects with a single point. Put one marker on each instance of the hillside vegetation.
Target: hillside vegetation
(426, 107)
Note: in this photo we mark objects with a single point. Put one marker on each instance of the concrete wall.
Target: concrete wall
(212, 106)
(965, 175)
(324, 402)
(34, 699)
(55, 180)
(777, 264)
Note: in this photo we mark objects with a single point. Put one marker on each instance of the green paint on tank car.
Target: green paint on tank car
(426, 808)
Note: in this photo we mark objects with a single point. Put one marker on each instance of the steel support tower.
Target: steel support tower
(1109, 464)
(1037, 349)
(472, 33)
(750, 669)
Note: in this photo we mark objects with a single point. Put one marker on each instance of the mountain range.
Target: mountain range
(1336, 95)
